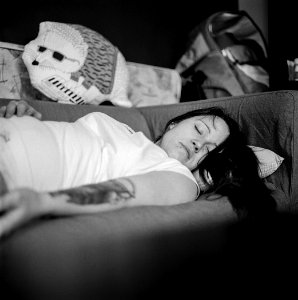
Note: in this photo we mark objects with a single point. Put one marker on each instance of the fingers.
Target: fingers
(18, 207)
(22, 108)
(9, 109)
(19, 108)
(10, 221)
(10, 214)
(2, 111)
(34, 113)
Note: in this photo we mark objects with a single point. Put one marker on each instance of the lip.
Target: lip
(186, 149)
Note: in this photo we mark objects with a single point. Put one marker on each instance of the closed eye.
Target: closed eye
(198, 130)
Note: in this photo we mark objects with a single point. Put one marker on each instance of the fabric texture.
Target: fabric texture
(93, 149)
(73, 64)
(226, 56)
(16, 83)
(152, 85)
(269, 161)
(147, 85)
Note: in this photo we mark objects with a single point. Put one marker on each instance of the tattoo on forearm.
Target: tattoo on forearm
(113, 192)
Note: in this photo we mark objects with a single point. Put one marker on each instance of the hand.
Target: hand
(18, 207)
(19, 108)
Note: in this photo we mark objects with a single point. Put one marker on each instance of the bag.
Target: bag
(227, 56)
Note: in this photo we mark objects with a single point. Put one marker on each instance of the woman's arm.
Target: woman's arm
(155, 188)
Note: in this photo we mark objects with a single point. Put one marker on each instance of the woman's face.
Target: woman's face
(190, 140)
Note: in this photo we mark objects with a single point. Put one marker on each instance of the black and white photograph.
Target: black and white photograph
(148, 149)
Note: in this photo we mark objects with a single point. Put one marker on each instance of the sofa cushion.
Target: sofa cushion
(110, 254)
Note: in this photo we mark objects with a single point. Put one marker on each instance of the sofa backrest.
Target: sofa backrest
(69, 113)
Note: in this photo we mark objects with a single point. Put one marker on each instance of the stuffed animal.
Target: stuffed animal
(76, 65)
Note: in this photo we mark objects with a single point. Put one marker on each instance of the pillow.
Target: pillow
(269, 162)
(152, 85)
(73, 64)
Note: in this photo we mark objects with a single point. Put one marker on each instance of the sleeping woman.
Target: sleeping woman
(97, 163)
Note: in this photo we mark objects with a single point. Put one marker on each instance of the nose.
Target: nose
(196, 146)
(35, 62)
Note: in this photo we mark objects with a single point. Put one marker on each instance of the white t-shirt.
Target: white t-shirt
(56, 155)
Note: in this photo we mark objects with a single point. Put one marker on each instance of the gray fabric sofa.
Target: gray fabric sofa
(158, 252)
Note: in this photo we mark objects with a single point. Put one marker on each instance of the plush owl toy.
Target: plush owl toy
(76, 65)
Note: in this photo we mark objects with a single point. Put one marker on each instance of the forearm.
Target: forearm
(156, 188)
(20, 206)
(91, 198)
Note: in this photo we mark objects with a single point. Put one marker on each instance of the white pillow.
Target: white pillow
(70, 63)
(269, 162)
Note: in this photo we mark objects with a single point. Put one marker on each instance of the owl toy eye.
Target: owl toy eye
(42, 49)
(58, 56)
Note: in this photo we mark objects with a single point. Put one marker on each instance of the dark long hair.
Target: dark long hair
(235, 173)
(233, 168)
